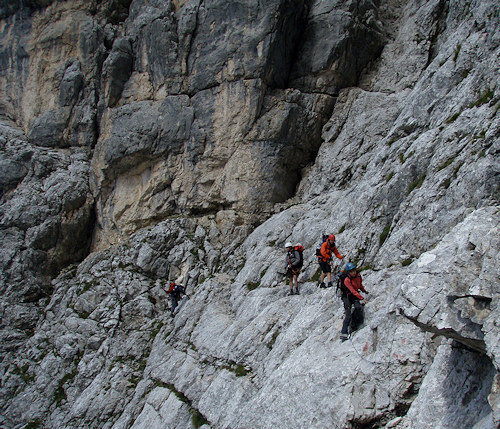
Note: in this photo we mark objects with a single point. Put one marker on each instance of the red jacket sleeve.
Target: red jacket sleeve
(337, 254)
(349, 283)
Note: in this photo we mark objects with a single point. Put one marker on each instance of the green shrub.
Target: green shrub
(23, 372)
(484, 97)
(453, 117)
(408, 261)
(253, 285)
(271, 342)
(457, 51)
(445, 164)
(316, 275)
(417, 183)
(197, 418)
(236, 368)
(240, 371)
(60, 393)
(385, 233)
(391, 140)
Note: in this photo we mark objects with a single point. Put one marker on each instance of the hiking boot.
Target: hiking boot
(322, 285)
(297, 291)
(344, 337)
(330, 284)
(291, 293)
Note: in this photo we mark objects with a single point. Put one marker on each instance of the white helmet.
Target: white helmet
(288, 244)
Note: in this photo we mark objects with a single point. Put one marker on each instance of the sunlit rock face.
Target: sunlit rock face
(144, 142)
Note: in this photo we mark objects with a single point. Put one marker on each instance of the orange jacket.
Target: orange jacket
(327, 249)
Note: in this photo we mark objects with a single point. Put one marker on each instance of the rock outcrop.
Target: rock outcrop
(143, 142)
(47, 215)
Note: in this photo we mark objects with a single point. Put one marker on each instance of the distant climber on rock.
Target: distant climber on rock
(325, 259)
(294, 261)
(351, 283)
(175, 292)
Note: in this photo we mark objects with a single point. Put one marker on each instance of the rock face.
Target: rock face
(199, 127)
(46, 219)
(143, 142)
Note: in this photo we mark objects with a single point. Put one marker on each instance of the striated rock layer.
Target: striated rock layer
(143, 142)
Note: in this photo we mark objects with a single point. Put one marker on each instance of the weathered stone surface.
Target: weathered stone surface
(56, 55)
(459, 302)
(45, 219)
(10, 7)
(258, 41)
(116, 70)
(458, 379)
(335, 34)
(244, 144)
(201, 155)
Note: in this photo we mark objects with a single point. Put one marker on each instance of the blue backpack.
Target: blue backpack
(318, 247)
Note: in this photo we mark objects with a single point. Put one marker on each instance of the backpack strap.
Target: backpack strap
(290, 265)
(340, 284)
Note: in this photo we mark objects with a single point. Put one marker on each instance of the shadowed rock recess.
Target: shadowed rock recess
(149, 141)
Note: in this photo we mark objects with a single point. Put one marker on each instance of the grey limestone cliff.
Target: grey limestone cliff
(149, 141)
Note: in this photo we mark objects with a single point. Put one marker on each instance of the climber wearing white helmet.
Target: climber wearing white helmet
(294, 261)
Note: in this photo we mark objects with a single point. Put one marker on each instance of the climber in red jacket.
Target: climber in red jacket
(350, 286)
(176, 292)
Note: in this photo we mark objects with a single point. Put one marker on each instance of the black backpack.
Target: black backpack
(340, 283)
(178, 291)
(318, 247)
